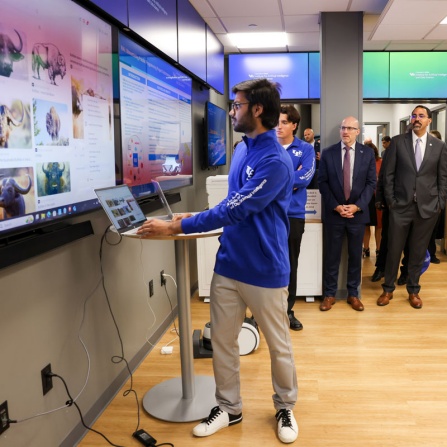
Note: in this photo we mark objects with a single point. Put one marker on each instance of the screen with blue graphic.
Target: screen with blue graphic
(291, 70)
(156, 120)
(216, 135)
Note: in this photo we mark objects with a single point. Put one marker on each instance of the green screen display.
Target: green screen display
(418, 75)
(376, 75)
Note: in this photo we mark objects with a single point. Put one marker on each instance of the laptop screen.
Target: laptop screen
(163, 199)
(121, 207)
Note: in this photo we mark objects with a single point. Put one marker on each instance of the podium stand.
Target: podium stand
(186, 398)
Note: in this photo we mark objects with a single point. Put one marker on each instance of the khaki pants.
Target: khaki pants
(229, 300)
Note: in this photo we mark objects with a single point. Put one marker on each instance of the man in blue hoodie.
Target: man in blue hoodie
(252, 264)
(303, 159)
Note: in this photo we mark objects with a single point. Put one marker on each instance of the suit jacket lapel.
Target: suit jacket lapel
(358, 160)
(410, 149)
(338, 165)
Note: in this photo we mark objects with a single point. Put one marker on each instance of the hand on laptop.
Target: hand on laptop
(157, 227)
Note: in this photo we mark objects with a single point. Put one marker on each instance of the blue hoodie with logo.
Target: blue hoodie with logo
(303, 159)
(253, 246)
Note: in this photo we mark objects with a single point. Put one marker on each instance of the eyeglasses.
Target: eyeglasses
(420, 116)
(348, 129)
(237, 105)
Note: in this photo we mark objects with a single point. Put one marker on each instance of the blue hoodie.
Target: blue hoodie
(253, 246)
(302, 154)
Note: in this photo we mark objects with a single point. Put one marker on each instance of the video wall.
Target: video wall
(386, 75)
(56, 127)
(156, 120)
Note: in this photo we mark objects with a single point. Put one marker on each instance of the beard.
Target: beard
(245, 124)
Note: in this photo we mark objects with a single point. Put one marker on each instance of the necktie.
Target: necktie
(418, 153)
(347, 173)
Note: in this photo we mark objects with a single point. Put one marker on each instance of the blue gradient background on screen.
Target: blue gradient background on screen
(418, 75)
(288, 69)
(314, 75)
(376, 75)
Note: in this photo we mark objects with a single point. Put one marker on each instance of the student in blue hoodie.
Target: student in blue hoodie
(303, 159)
(252, 263)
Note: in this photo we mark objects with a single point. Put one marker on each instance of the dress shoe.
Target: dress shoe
(355, 303)
(385, 298)
(415, 300)
(402, 279)
(295, 324)
(327, 303)
(377, 275)
(435, 260)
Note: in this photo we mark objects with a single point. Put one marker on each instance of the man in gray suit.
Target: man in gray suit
(415, 186)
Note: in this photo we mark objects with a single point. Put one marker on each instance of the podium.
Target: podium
(189, 397)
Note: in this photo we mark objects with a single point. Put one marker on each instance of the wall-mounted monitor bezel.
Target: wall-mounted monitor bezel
(215, 153)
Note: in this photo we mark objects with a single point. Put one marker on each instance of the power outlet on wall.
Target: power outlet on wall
(47, 380)
(4, 417)
(162, 278)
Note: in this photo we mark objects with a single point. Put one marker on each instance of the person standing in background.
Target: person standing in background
(439, 224)
(303, 159)
(252, 263)
(347, 179)
(309, 137)
(375, 215)
(415, 186)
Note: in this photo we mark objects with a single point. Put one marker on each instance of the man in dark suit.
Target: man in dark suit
(347, 179)
(415, 186)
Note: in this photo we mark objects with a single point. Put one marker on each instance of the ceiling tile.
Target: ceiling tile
(439, 33)
(368, 6)
(413, 46)
(400, 32)
(203, 8)
(245, 8)
(302, 23)
(241, 24)
(294, 7)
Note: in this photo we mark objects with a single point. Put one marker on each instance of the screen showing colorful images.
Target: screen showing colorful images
(376, 75)
(56, 127)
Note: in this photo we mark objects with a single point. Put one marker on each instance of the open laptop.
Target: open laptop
(123, 210)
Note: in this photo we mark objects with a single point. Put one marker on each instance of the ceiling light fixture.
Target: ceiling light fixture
(258, 40)
(444, 21)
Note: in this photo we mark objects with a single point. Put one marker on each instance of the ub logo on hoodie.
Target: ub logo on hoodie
(249, 171)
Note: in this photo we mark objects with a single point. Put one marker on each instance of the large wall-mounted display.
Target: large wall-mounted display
(156, 22)
(291, 70)
(156, 120)
(56, 127)
(418, 75)
(386, 75)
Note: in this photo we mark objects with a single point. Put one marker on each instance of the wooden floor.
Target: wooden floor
(373, 378)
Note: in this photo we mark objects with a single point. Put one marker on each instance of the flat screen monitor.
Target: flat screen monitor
(216, 135)
(156, 121)
(418, 75)
(56, 126)
(291, 70)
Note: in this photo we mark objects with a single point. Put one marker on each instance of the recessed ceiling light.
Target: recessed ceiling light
(444, 21)
(258, 40)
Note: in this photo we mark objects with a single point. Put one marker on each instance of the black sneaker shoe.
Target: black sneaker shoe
(295, 324)
(287, 426)
(217, 420)
(435, 260)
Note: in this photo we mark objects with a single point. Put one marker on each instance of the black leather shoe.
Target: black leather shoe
(377, 275)
(435, 260)
(295, 324)
(402, 279)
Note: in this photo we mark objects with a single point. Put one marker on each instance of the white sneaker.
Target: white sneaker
(287, 426)
(215, 421)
